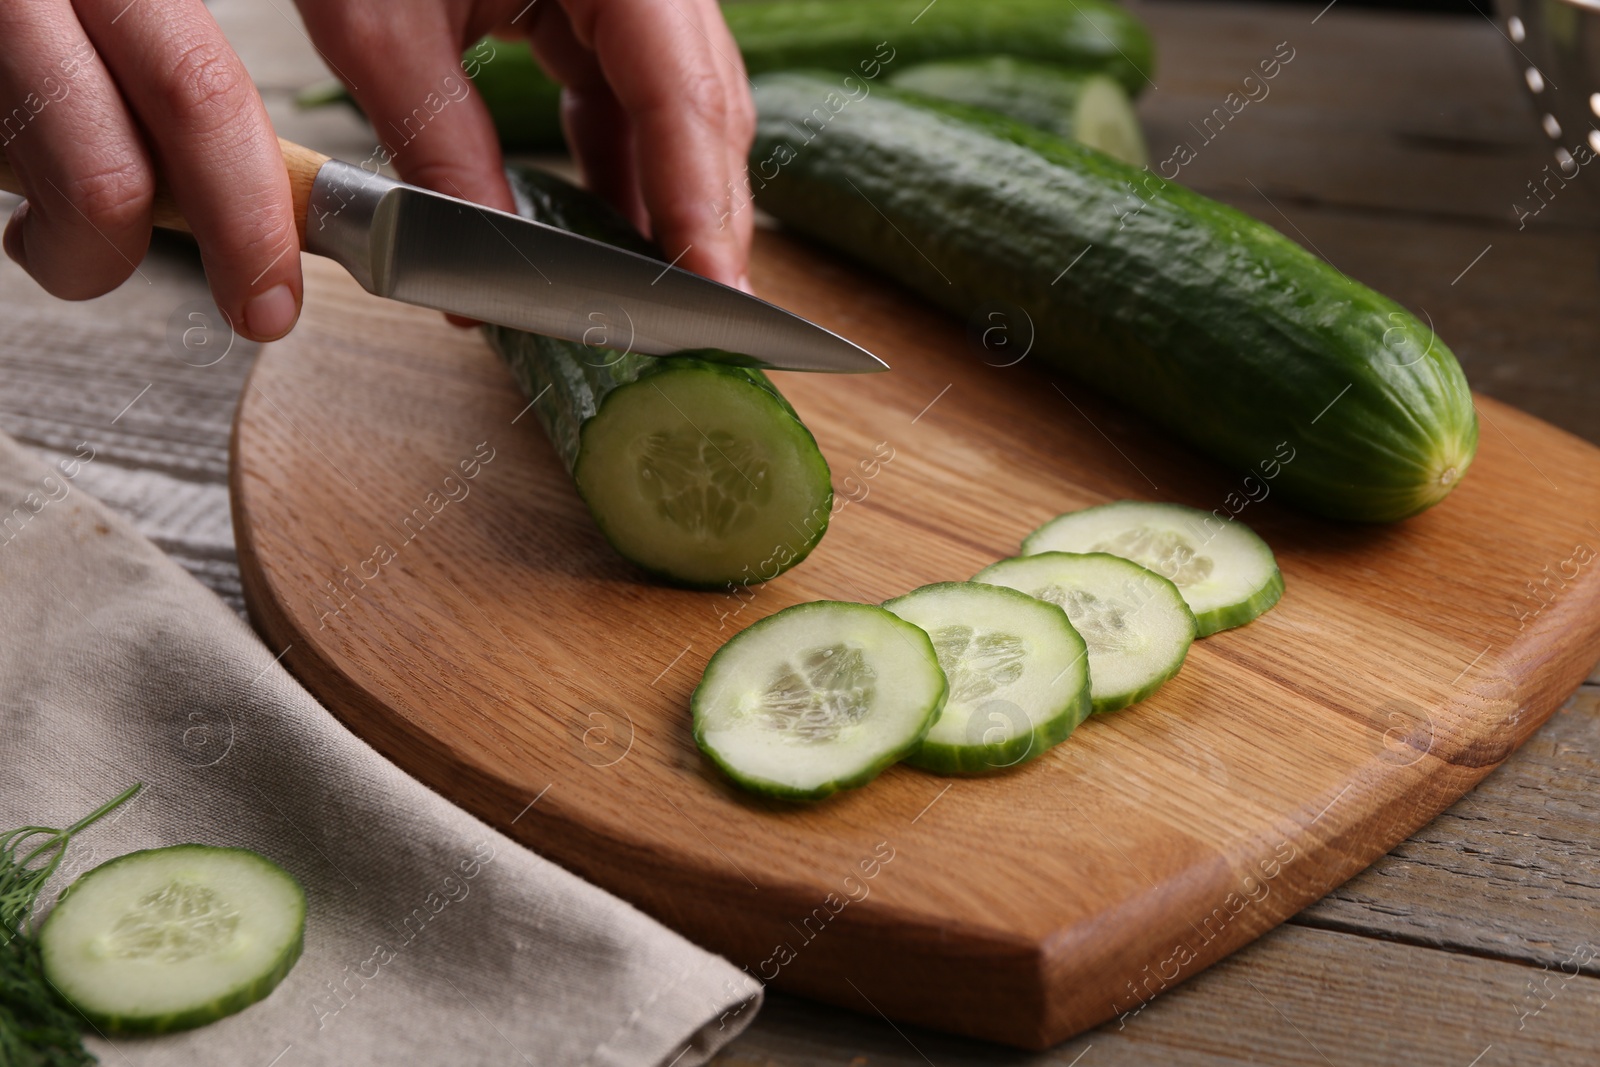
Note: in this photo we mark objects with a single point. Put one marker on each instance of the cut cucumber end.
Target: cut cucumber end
(1135, 623)
(173, 938)
(703, 476)
(1225, 572)
(1104, 119)
(1018, 676)
(817, 698)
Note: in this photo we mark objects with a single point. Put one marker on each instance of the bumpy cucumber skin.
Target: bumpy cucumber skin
(234, 1000)
(778, 790)
(841, 34)
(1117, 701)
(1041, 95)
(580, 379)
(1214, 325)
(975, 761)
(1211, 622)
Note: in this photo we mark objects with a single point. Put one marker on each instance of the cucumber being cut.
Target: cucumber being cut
(699, 472)
(817, 698)
(1212, 324)
(1018, 675)
(1227, 574)
(1134, 621)
(172, 938)
(1083, 106)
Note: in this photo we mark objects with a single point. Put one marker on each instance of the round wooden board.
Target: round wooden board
(405, 531)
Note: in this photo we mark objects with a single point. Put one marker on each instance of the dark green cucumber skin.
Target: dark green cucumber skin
(1216, 326)
(866, 774)
(580, 378)
(852, 37)
(234, 1000)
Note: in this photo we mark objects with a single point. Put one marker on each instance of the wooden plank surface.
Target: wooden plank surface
(1466, 874)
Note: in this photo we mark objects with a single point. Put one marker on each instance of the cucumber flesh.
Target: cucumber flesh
(1134, 621)
(1083, 106)
(1017, 670)
(172, 938)
(816, 698)
(1226, 573)
(703, 476)
(697, 471)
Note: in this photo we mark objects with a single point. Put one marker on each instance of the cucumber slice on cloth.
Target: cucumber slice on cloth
(172, 938)
(1134, 621)
(816, 698)
(1018, 675)
(1226, 573)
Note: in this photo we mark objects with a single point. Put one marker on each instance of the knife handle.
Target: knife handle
(301, 162)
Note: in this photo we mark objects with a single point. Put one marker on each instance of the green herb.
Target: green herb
(37, 1029)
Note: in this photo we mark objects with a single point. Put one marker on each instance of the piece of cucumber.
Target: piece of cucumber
(172, 938)
(816, 698)
(1212, 324)
(699, 472)
(1134, 621)
(1017, 670)
(1083, 106)
(856, 39)
(1226, 573)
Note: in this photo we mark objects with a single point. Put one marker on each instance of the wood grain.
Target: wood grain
(1023, 908)
(1298, 998)
(1525, 323)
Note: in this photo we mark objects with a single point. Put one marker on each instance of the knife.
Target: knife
(422, 247)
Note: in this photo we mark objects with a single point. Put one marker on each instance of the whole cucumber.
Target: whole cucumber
(1214, 325)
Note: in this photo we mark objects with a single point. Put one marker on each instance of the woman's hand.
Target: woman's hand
(657, 106)
(97, 96)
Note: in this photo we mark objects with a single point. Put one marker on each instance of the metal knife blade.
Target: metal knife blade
(437, 251)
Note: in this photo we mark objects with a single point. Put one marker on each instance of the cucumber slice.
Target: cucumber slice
(1017, 670)
(817, 698)
(1226, 573)
(1134, 621)
(172, 938)
(1080, 105)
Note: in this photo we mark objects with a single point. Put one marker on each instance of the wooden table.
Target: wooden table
(1395, 146)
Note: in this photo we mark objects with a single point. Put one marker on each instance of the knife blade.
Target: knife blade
(421, 247)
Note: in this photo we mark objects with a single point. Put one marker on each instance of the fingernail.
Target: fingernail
(744, 283)
(269, 315)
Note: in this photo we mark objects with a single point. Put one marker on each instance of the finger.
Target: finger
(741, 128)
(658, 60)
(215, 149)
(76, 150)
(407, 76)
(598, 130)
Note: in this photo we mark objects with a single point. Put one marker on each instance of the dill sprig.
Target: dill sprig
(37, 1029)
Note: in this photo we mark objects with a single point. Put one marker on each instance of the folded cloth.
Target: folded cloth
(430, 938)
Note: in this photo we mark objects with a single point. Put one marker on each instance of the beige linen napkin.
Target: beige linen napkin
(430, 938)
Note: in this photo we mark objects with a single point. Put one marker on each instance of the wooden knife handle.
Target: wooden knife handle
(302, 163)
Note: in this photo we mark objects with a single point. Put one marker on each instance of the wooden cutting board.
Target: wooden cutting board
(480, 633)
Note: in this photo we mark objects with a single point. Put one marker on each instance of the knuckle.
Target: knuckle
(114, 199)
(704, 96)
(206, 85)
